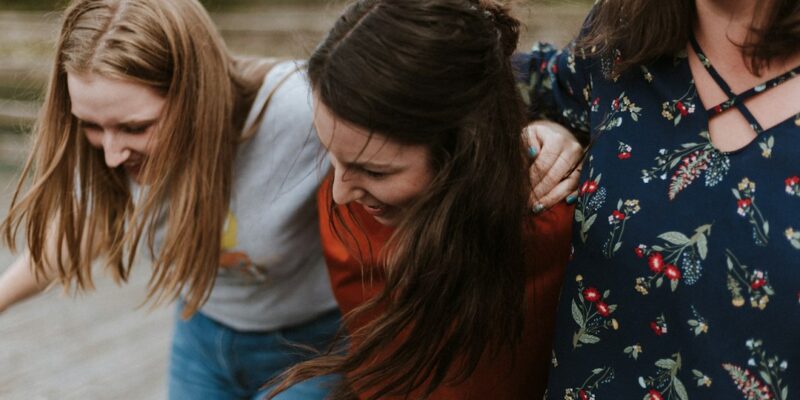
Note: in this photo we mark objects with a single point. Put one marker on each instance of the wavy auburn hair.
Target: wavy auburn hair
(75, 202)
(435, 73)
(644, 30)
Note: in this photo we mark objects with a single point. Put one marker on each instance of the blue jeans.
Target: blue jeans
(210, 361)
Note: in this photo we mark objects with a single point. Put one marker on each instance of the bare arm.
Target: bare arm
(19, 283)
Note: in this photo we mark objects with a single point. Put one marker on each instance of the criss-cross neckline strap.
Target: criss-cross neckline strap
(737, 100)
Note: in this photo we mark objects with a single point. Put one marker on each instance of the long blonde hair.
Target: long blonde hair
(75, 201)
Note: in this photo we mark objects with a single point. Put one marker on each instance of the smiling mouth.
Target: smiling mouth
(375, 211)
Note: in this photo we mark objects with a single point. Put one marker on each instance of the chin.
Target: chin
(389, 220)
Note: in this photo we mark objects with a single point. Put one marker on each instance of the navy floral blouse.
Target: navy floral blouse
(685, 278)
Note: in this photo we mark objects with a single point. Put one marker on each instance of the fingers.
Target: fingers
(565, 190)
(556, 152)
(557, 159)
(553, 169)
(542, 181)
(532, 143)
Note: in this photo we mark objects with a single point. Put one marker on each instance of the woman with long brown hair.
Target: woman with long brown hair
(685, 280)
(152, 135)
(447, 282)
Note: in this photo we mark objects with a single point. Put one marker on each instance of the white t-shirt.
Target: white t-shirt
(272, 272)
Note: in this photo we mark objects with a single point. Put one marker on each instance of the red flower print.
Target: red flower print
(656, 262)
(672, 272)
(655, 395)
(596, 101)
(624, 155)
(618, 215)
(615, 104)
(682, 109)
(543, 67)
(657, 329)
(792, 181)
(758, 283)
(639, 252)
(554, 68)
(718, 109)
(743, 206)
(602, 308)
(591, 294)
(744, 203)
(582, 394)
(589, 186)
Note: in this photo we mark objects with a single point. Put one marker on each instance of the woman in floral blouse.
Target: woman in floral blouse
(685, 279)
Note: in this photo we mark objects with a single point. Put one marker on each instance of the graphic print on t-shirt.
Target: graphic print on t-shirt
(234, 260)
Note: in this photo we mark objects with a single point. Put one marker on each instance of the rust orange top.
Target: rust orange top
(499, 377)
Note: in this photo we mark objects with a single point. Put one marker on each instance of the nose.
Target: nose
(114, 149)
(345, 189)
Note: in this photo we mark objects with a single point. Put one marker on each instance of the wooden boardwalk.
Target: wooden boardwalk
(100, 346)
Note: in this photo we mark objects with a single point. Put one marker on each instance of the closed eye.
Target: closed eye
(88, 126)
(133, 130)
(374, 174)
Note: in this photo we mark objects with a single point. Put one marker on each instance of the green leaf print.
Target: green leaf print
(682, 166)
(680, 390)
(674, 238)
(756, 282)
(592, 314)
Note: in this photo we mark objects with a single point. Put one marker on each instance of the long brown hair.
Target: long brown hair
(435, 73)
(75, 201)
(644, 30)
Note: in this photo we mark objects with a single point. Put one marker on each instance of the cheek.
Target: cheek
(142, 143)
(402, 192)
(94, 138)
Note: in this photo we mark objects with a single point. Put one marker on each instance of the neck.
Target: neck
(724, 26)
(725, 23)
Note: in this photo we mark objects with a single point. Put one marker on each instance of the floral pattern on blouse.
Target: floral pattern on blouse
(685, 278)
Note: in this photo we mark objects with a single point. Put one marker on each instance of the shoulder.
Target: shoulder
(286, 76)
(284, 99)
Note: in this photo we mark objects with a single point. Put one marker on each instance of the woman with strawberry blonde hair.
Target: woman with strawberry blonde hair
(152, 135)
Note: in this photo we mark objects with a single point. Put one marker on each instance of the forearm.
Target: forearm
(18, 283)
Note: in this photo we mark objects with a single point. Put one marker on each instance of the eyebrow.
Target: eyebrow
(371, 165)
(128, 123)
